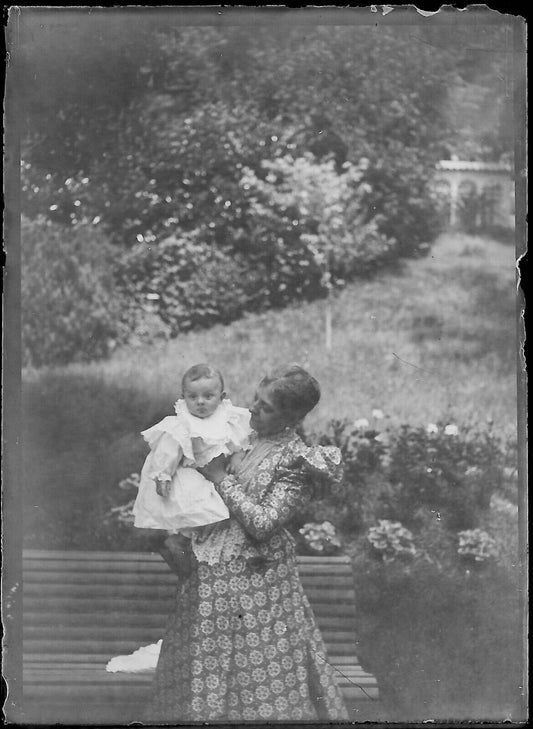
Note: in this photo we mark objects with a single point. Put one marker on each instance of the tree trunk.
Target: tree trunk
(329, 326)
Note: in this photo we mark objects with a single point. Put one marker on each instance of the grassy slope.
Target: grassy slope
(437, 342)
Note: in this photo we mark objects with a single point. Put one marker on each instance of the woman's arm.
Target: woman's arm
(261, 519)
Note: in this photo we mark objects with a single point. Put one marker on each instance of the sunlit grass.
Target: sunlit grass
(435, 342)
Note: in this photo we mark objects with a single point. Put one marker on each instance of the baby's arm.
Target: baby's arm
(166, 457)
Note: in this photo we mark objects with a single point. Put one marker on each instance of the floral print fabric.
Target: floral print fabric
(242, 642)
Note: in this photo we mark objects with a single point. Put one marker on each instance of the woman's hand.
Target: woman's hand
(234, 462)
(215, 471)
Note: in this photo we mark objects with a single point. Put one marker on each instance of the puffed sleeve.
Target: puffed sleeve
(293, 488)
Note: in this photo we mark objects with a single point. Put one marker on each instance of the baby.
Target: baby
(173, 495)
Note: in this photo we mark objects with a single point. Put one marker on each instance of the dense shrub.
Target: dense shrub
(296, 230)
(428, 520)
(71, 309)
(442, 641)
(450, 473)
(156, 142)
(237, 172)
(199, 102)
(407, 473)
(198, 284)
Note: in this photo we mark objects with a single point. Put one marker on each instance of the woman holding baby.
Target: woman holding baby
(242, 642)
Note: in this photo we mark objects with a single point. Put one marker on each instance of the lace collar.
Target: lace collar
(282, 436)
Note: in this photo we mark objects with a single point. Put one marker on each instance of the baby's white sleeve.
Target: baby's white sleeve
(164, 458)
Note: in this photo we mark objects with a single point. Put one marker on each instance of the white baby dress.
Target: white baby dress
(177, 444)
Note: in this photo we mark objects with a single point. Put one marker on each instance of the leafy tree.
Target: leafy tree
(145, 131)
(351, 92)
(311, 200)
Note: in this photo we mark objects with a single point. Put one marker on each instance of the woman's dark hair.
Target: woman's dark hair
(294, 391)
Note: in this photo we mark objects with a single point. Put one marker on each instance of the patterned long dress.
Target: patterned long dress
(242, 642)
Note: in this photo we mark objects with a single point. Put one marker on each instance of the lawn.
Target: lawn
(435, 340)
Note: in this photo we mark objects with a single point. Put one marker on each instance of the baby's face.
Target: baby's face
(203, 396)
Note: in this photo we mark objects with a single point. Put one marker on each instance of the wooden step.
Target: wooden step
(43, 555)
(83, 608)
(162, 606)
(124, 647)
(157, 566)
(146, 580)
(43, 620)
(135, 591)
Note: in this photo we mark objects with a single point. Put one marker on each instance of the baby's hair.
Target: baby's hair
(200, 372)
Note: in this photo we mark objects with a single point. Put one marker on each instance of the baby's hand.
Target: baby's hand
(162, 487)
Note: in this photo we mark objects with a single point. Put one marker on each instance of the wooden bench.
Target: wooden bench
(82, 608)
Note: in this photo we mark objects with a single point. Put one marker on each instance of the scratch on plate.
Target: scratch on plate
(416, 367)
(354, 683)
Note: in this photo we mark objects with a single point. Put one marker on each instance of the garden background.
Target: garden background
(249, 191)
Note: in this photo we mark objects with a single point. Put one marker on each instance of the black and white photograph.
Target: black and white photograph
(271, 257)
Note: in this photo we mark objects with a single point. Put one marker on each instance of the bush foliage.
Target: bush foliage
(71, 307)
(444, 644)
(256, 167)
(412, 474)
(428, 517)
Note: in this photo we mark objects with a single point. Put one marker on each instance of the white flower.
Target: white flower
(320, 537)
(361, 423)
(378, 414)
(451, 430)
(478, 544)
(132, 481)
(391, 539)
(504, 506)
(122, 514)
(432, 428)
(381, 438)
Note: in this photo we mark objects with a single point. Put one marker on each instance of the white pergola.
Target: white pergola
(456, 180)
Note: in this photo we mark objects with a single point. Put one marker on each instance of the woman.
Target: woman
(243, 643)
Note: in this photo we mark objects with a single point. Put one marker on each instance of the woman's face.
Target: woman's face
(266, 418)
